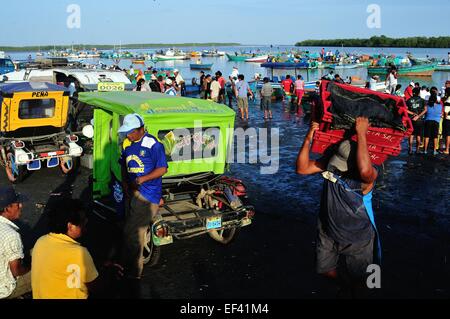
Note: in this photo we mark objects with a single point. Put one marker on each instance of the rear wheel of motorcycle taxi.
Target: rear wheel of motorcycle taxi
(151, 252)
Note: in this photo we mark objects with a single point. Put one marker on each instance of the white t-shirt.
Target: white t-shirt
(215, 89)
(424, 94)
(392, 80)
(179, 79)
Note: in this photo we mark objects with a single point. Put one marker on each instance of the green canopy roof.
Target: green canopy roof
(155, 104)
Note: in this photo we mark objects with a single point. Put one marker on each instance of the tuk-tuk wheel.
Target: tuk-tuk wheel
(15, 173)
(151, 252)
(223, 236)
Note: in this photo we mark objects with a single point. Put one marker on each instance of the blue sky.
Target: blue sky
(31, 22)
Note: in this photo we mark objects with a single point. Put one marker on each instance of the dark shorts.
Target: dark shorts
(358, 256)
(265, 103)
(446, 128)
(418, 128)
(431, 129)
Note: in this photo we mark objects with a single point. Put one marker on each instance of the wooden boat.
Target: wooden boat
(197, 66)
(415, 70)
(258, 59)
(138, 62)
(238, 58)
(443, 67)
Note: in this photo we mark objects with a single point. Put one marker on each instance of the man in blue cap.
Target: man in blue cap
(15, 278)
(143, 164)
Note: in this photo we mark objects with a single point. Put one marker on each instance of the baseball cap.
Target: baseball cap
(169, 82)
(340, 159)
(176, 71)
(131, 122)
(9, 196)
(412, 84)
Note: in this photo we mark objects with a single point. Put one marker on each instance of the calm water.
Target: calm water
(249, 69)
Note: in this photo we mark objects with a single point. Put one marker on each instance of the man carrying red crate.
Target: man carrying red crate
(346, 226)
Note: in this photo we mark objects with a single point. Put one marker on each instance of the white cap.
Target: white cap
(130, 123)
(176, 71)
(412, 83)
(169, 82)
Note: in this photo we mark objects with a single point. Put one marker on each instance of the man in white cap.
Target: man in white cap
(180, 82)
(346, 227)
(169, 89)
(143, 163)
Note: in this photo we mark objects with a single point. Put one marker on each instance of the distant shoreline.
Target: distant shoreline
(80, 47)
(442, 42)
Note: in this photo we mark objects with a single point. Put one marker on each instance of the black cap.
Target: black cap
(9, 196)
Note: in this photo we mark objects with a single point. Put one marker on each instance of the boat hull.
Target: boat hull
(258, 59)
(416, 70)
(237, 58)
(443, 67)
(285, 65)
(201, 66)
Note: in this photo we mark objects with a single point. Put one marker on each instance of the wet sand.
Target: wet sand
(274, 257)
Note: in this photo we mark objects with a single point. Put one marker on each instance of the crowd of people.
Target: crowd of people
(429, 110)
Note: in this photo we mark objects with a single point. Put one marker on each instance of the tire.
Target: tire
(151, 253)
(16, 174)
(224, 236)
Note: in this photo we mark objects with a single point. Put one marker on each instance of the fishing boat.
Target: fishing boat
(237, 57)
(138, 61)
(258, 59)
(344, 66)
(171, 55)
(443, 67)
(415, 70)
(285, 65)
(199, 66)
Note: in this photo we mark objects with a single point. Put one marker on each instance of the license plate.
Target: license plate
(213, 223)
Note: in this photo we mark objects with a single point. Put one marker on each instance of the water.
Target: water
(249, 69)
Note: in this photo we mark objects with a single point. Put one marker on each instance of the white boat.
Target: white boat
(443, 67)
(258, 59)
(171, 55)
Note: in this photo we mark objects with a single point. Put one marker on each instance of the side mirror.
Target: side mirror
(88, 131)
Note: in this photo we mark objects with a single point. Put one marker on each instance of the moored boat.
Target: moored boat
(443, 67)
(238, 58)
(285, 65)
(197, 66)
(258, 59)
(415, 70)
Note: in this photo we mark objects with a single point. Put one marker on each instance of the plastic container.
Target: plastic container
(382, 142)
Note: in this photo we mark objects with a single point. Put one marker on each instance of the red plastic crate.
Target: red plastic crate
(382, 142)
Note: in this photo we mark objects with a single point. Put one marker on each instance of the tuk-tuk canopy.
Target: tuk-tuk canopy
(11, 88)
(162, 115)
(151, 104)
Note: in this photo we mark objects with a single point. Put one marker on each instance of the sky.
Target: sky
(259, 22)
